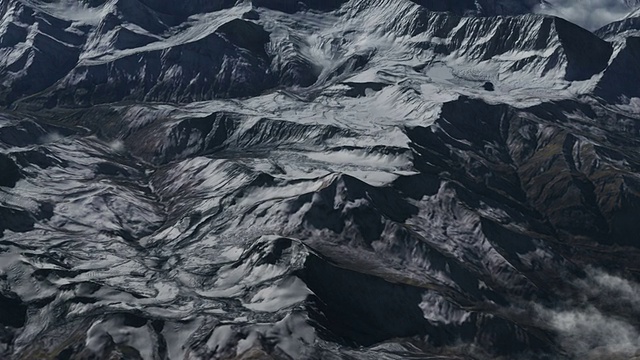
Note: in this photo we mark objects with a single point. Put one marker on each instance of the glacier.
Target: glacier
(353, 179)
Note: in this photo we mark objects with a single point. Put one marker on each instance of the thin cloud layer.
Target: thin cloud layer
(590, 14)
(587, 332)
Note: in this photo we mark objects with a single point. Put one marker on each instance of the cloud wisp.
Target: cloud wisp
(587, 331)
(590, 14)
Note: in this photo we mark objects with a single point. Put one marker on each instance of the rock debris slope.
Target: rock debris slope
(354, 179)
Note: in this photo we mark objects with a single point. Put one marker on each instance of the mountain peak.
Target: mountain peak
(306, 179)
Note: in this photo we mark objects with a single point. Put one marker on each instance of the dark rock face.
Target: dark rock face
(15, 220)
(556, 175)
(210, 133)
(10, 173)
(619, 78)
(14, 312)
(348, 179)
(189, 72)
(357, 310)
(587, 54)
(361, 310)
(51, 54)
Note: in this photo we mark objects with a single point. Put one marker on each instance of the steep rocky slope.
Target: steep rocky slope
(361, 179)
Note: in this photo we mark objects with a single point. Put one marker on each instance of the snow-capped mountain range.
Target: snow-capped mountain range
(338, 179)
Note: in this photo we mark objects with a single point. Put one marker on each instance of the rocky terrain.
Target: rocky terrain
(353, 179)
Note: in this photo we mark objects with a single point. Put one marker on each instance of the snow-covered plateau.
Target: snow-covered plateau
(317, 179)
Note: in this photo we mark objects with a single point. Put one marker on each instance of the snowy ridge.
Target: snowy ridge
(629, 26)
(362, 179)
(104, 44)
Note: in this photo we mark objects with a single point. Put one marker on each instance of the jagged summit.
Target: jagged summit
(146, 50)
(349, 179)
(629, 26)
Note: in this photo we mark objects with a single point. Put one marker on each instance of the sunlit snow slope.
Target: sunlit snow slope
(279, 179)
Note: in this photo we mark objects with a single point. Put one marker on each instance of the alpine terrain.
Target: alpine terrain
(317, 179)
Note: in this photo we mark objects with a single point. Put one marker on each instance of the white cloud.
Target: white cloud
(117, 146)
(587, 332)
(613, 288)
(590, 14)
